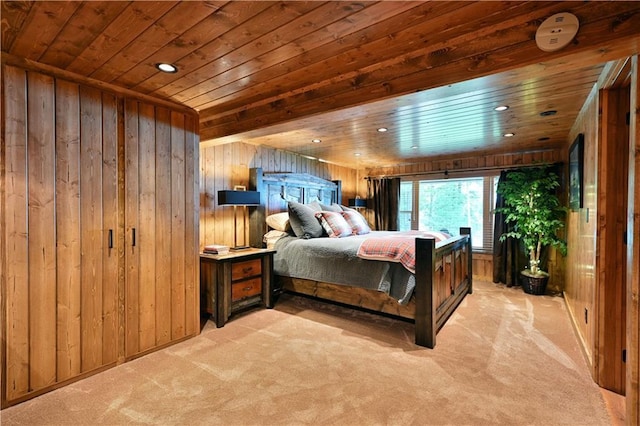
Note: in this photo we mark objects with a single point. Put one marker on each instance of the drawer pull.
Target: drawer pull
(247, 270)
(247, 288)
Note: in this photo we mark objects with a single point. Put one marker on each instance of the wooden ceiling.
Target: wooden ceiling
(284, 73)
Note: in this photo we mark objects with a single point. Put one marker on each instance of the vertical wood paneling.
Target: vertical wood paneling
(192, 260)
(71, 303)
(110, 222)
(163, 228)
(209, 196)
(91, 226)
(581, 233)
(178, 230)
(42, 250)
(132, 226)
(68, 229)
(221, 214)
(203, 197)
(147, 232)
(633, 255)
(121, 241)
(16, 243)
(161, 200)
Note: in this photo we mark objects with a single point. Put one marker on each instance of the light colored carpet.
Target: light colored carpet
(503, 358)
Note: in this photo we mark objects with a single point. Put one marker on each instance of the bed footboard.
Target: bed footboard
(443, 279)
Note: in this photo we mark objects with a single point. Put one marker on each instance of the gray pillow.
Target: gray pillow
(334, 207)
(315, 205)
(303, 221)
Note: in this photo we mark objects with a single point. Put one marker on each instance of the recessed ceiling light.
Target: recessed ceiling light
(357, 154)
(508, 135)
(502, 108)
(382, 129)
(164, 67)
(316, 140)
(548, 113)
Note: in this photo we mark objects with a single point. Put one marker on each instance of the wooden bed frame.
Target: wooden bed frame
(443, 271)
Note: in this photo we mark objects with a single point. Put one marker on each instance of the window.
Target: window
(446, 205)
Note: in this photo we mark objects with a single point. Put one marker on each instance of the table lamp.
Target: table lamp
(239, 197)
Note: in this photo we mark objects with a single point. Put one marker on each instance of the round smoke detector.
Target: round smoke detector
(557, 31)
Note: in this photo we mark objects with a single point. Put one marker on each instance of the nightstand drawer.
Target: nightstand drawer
(250, 268)
(244, 289)
(235, 281)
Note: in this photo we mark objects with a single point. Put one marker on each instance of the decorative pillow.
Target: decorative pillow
(303, 222)
(334, 207)
(279, 221)
(357, 222)
(316, 206)
(334, 224)
(347, 209)
(271, 237)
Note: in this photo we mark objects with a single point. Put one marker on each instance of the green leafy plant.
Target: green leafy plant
(533, 208)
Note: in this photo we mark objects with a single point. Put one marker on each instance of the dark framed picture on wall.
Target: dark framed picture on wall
(576, 171)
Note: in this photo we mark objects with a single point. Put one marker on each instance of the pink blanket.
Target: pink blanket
(400, 247)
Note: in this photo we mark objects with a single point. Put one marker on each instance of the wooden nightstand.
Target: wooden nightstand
(234, 281)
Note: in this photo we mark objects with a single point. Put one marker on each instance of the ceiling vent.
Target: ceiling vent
(557, 31)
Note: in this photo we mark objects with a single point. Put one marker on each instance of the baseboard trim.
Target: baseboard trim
(583, 347)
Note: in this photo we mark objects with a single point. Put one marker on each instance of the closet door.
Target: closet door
(60, 203)
(161, 227)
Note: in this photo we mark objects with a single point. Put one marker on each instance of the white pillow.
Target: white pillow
(279, 221)
(271, 237)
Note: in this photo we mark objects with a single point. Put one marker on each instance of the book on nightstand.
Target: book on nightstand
(216, 249)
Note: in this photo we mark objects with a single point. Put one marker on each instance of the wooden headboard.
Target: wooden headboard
(276, 189)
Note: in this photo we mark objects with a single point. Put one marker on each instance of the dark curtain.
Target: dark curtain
(508, 255)
(385, 194)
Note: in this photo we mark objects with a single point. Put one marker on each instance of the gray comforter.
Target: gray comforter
(335, 260)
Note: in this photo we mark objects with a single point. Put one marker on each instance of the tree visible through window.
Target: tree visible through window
(447, 205)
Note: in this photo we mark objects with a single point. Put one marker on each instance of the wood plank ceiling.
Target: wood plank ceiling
(284, 73)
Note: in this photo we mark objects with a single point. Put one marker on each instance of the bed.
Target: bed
(428, 293)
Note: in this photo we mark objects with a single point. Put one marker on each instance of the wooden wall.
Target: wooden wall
(633, 254)
(581, 231)
(225, 166)
(60, 276)
(160, 226)
(500, 161)
(62, 230)
(599, 302)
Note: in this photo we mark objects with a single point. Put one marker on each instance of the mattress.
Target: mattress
(335, 260)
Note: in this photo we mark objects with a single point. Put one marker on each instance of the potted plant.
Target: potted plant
(532, 208)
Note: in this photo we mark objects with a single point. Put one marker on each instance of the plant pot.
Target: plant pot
(534, 284)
